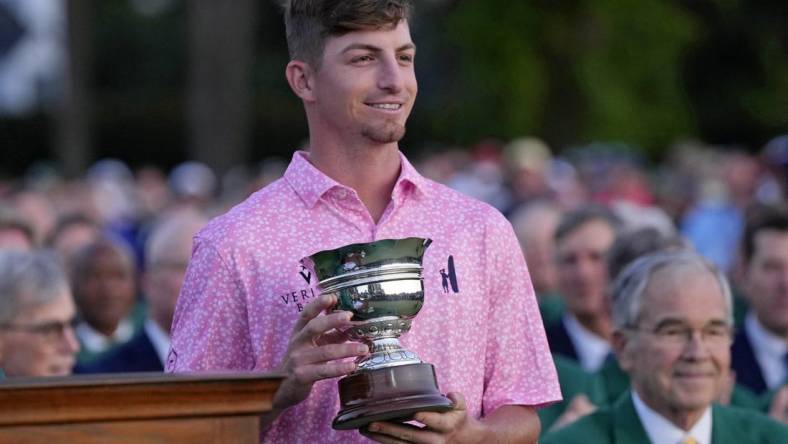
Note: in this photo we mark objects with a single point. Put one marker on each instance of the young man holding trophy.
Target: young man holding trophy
(360, 215)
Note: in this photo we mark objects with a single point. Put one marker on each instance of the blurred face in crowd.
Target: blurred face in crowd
(766, 280)
(74, 238)
(536, 232)
(581, 267)
(105, 293)
(163, 281)
(14, 239)
(678, 353)
(365, 85)
(40, 340)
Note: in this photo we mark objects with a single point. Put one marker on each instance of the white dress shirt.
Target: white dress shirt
(769, 351)
(96, 342)
(592, 350)
(159, 338)
(662, 431)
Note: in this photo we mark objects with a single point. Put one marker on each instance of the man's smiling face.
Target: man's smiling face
(366, 85)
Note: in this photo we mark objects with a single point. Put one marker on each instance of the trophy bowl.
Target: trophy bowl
(381, 284)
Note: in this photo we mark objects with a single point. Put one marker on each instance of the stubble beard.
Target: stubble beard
(384, 132)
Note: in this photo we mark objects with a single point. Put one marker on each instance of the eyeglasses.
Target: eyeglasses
(681, 334)
(50, 331)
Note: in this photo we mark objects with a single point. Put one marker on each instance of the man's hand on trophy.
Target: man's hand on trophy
(316, 350)
(455, 426)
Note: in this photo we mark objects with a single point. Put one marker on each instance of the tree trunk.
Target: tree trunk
(72, 143)
(221, 51)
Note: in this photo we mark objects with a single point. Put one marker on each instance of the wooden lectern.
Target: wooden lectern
(135, 408)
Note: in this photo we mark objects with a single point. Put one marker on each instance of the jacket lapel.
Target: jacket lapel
(627, 428)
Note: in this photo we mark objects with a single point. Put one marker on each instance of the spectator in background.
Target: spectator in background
(527, 160)
(36, 208)
(760, 349)
(715, 223)
(582, 394)
(104, 283)
(583, 238)
(71, 234)
(36, 316)
(673, 319)
(167, 253)
(535, 225)
(193, 184)
(15, 232)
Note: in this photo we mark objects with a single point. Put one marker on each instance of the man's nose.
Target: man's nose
(696, 346)
(69, 341)
(390, 76)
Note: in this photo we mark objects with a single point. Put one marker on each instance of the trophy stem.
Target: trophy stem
(384, 353)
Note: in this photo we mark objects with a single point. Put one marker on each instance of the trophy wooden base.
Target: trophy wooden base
(389, 394)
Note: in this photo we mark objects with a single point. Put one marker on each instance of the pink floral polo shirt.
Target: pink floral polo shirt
(244, 289)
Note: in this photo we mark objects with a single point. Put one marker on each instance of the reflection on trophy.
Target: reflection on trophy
(381, 284)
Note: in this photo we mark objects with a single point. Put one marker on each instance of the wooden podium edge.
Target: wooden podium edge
(96, 398)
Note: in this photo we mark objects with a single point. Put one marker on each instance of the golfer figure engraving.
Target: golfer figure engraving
(381, 284)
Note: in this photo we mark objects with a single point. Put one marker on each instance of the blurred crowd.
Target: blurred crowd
(90, 268)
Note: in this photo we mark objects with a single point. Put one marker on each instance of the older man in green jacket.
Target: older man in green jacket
(672, 331)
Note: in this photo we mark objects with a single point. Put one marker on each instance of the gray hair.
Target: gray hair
(626, 292)
(578, 217)
(28, 278)
(170, 233)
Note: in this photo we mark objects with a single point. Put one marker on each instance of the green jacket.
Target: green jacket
(574, 381)
(620, 424)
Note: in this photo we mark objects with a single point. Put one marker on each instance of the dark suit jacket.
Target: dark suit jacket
(744, 363)
(559, 341)
(136, 355)
(620, 424)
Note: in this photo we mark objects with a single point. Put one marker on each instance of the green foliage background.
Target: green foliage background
(641, 72)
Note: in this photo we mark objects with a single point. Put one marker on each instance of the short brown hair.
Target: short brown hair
(763, 218)
(309, 22)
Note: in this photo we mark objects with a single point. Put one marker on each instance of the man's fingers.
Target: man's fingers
(383, 439)
(779, 407)
(328, 353)
(332, 337)
(308, 374)
(390, 432)
(314, 308)
(458, 400)
(320, 325)
(447, 421)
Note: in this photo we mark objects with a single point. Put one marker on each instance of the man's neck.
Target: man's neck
(684, 420)
(370, 170)
(599, 325)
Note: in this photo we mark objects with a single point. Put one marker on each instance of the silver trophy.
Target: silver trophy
(381, 284)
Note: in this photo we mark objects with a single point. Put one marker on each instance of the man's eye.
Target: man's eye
(364, 58)
(671, 332)
(716, 332)
(406, 58)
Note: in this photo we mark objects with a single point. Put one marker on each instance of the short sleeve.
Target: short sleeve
(210, 326)
(518, 366)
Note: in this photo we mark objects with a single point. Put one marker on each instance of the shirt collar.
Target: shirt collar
(660, 430)
(93, 341)
(310, 184)
(769, 351)
(159, 338)
(764, 340)
(592, 350)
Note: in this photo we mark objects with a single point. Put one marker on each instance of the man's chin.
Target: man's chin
(388, 132)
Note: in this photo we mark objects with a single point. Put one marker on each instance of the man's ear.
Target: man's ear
(620, 343)
(300, 76)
